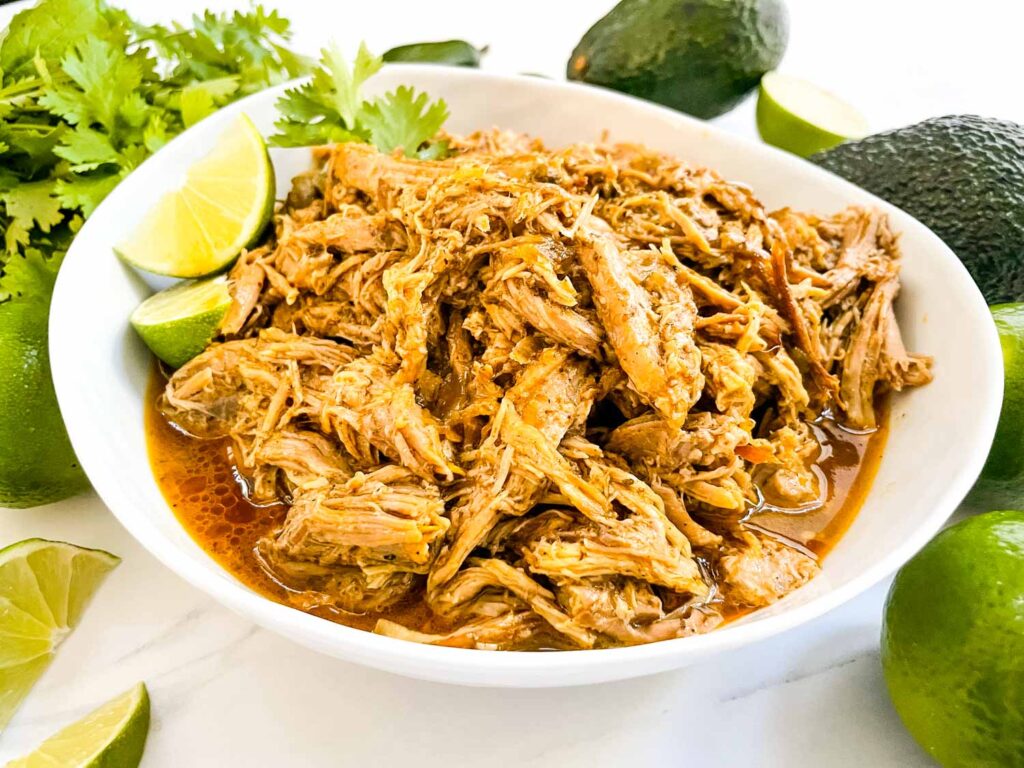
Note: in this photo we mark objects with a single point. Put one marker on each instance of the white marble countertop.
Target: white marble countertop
(227, 693)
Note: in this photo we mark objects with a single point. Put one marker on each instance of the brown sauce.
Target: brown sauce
(199, 481)
(848, 463)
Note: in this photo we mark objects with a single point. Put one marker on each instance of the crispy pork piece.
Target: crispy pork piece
(364, 396)
(562, 325)
(877, 358)
(863, 251)
(643, 543)
(244, 386)
(513, 465)
(705, 440)
(675, 511)
(529, 280)
(506, 631)
(347, 588)
(628, 612)
(651, 331)
(540, 599)
(388, 519)
(760, 570)
(361, 167)
(730, 376)
(299, 460)
(788, 478)
(245, 284)
(634, 547)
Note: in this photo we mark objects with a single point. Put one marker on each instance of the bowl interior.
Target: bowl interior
(938, 440)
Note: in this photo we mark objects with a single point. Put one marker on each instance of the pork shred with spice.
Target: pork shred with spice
(539, 393)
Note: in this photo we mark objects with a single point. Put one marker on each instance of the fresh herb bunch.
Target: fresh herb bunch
(329, 109)
(86, 94)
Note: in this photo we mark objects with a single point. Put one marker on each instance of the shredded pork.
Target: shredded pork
(540, 392)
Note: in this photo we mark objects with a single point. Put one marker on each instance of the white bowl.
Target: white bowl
(940, 434)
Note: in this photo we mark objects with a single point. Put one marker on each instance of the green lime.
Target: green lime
(800, 117)
(37, 464)
(1001, 483)
(953, 643)
(178, 323)
(44, 588)
(113, 736)
(223, 206)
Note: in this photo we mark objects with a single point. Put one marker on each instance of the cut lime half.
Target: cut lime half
(800, 117)
(223, 206)
(44, 588)
(178, 323)
(113, 736)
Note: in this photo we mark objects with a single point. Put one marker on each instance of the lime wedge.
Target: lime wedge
(800, 117)
(223, 206)
(44, 588)
(113, 736)
(178, 323)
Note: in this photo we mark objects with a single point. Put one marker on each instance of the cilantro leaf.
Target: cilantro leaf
(347, 82)
(105, 77)
(86, 192)
(30, 205)
(246, 45)
(195, 104)
(327, 108)
(30, 145)
(87, 149)
(312, 134)
(199, 100)
(135, 111)
(403, 119)
(28, 280)
(156, 132)
(50, 29)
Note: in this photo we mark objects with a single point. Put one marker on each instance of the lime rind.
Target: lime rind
(952, 631)
(178, 323)
(111, 736)
(1001, 482)
(182, 301)
(45, 587)
(222, 208)
(798, 116)
(15, 683)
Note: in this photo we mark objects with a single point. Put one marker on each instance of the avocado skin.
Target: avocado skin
(960, 175)
(698, 56)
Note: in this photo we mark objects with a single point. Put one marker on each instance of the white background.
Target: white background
(226, 693)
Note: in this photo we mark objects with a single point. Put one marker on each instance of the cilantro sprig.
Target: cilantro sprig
(86, 94)
(329, 108)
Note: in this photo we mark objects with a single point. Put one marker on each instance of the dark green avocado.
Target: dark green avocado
(698, 56)
(963, 177)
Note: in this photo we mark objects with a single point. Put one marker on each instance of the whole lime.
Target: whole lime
(953, 643)
(37, 464)
(1001, 484)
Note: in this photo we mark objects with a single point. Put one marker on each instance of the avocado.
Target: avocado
(960, 175)
(698, 56)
